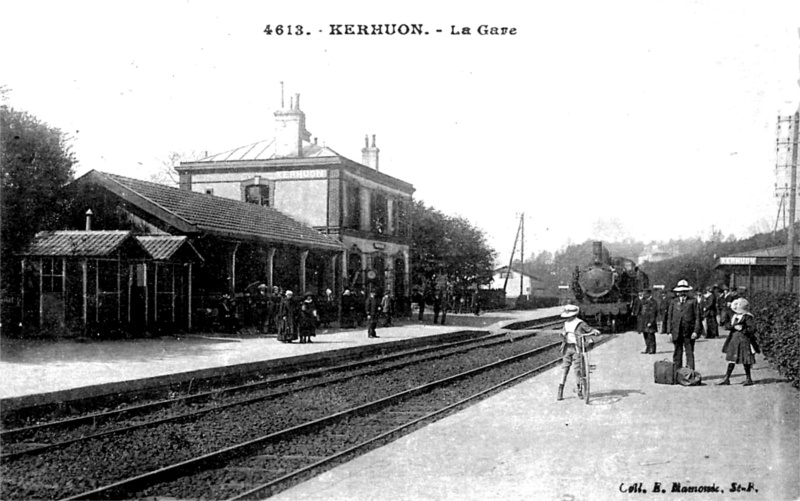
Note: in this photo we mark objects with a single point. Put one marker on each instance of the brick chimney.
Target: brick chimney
(290, 129)
(369, 154)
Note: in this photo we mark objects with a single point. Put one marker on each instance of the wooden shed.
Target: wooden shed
(106, 282)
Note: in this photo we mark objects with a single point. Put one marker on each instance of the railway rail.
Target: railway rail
(44, 436)
(145, 455)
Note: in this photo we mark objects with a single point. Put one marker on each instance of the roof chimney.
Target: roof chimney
(290, 129)
(369, 154)
(89, 214)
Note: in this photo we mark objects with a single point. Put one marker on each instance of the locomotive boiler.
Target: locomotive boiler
(607, 288)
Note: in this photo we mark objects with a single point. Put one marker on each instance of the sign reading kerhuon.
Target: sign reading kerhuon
(737, 260)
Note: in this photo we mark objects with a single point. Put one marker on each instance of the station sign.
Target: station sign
(737, 260)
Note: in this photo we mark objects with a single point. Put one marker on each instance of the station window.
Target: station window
(380, 212)
(257, 194)
(52, 275)
(400, 218)
(353, 212)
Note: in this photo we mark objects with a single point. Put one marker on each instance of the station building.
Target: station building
(284, 212)
(156, 257)
(366, 210)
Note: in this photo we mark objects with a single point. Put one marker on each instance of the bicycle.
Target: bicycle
(584, 367)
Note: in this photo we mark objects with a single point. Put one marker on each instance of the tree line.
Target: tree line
(693, 259)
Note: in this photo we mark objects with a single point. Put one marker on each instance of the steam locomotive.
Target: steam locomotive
(607, 288)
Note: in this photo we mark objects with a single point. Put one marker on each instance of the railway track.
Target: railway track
(146, 448)
(45, 436)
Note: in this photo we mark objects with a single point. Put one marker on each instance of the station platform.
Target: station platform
(36, 372)
(635, 440)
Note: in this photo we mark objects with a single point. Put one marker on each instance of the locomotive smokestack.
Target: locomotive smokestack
(597, 252)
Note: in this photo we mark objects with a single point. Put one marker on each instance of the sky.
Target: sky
(644, 119)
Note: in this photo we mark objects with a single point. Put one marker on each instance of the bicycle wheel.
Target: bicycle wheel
(585, 378)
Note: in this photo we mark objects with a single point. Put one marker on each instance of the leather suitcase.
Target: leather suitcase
(664, 372)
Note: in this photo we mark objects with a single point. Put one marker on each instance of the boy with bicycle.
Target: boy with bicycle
(573, 328)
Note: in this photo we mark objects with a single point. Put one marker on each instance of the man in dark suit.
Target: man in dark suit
(437, 305)
(372, 307)
(647, 320)
(710, 313)
(684, 324)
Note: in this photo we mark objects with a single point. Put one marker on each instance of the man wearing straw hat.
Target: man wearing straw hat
(684, 324)
(573, 327)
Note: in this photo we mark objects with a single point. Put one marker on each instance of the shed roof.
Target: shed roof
(778, 251)
(190, 212)
(164, 247)
(77, 243)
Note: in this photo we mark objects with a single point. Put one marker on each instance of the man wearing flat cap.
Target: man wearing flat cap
(684, 324)
(647, 320)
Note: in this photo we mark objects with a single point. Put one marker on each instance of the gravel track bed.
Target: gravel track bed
(87, 465)
(54, 435)
(278, 459)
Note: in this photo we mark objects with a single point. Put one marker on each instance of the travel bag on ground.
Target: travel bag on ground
(688, 377)
(664, 372)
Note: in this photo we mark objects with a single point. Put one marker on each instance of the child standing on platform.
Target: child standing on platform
(573, 327)
(741, 345)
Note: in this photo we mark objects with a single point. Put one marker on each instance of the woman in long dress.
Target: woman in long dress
(308, 319)
(286, 319)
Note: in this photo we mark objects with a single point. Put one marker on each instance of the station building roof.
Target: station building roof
(262, 155)
(266, 150)
(191, 213)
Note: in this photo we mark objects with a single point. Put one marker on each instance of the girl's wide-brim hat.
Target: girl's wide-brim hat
(683, 286)
(570, 311)
(740, 305)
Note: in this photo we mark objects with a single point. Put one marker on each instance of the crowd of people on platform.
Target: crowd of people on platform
(688, 314)
(442, 300)
(684, 315)
(278, 311)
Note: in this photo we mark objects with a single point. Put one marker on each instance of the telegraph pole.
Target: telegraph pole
(790, 248)
(522, 254)
(511, 259)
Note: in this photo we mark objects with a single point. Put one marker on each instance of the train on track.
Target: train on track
(607, 288)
